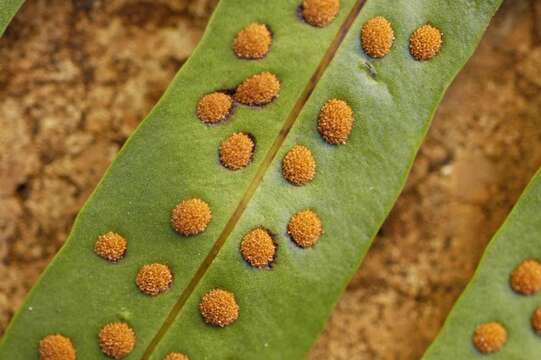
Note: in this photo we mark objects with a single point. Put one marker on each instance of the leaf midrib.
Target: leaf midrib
(256, 181)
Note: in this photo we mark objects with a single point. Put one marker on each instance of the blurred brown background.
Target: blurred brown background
(77, 76)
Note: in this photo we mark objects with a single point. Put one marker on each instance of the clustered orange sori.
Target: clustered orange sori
(258, 89)
(335, 121)
(176, 356)
(526, 278)
(299, 165)
(237, 151)
(253, 41)
(305, 228)
(214, 107)
(425, 42)
(154, 279)
(320, 13)
(258, 248)
(377, 37)
(191, 217)
(56, 347)
(117, 340)
(219, 308)
(489, 337)
(111, 246)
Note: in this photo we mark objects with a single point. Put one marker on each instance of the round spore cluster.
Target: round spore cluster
(320, 13)
(154, 279)
(56, 347)
(214, 107)
(191, 217)
(111, 246)
(299, 165)
(335, 121)
(258, 248)
(526, 278)
(305, 228)
(259, 89)
(237, 151)
(489, 337)
(253, 41)
(377, 37)
(117, 340)
(425, 42)
(219, 308)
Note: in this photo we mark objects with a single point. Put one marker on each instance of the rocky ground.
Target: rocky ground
(77, 76)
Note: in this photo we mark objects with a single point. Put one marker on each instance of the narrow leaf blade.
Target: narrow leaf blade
(284, 309)
(489, 296)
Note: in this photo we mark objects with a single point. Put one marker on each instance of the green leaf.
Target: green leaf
(173, 156)
(489, 296)
(8, 9)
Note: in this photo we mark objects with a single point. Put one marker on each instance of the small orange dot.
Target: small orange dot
(489, 337)
(377, 37)
(154, 279)
(236, 151)
(257, 248)
(219, 308)
(215, 107)
(425, 42)
(305, 228)
(117, 340)
(191, 217)
(259, 89)
(320, 12)
(299, 165)
(56, 347)
(253, 42)
(526, 278)
(176, 356)
(111, 246)
(335, 121)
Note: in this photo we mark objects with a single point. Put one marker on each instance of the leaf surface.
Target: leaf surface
(489, 297)
(283, 310)
(173, 156)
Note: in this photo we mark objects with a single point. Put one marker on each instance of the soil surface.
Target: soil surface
(76, 77)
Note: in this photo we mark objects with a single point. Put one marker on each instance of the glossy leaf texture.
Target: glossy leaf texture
(489, 296)
(8, 9)
(173, 156)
